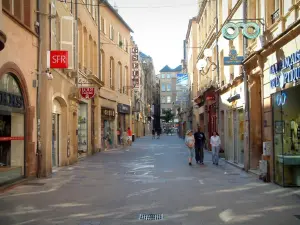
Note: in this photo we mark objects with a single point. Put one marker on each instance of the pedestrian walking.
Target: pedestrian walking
(119, 136)
(153, 134)
(190, 143)
(129, 134)
(199, 145)
(215, 142)
(158, 133)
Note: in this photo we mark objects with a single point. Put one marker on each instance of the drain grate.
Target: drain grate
(89, 223)
(297, 216)
(34, 184)
(151, 216)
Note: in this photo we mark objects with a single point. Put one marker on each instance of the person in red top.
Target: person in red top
(129, 134)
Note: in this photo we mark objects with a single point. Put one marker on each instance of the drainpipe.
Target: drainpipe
(39, 63)
(218, 64)
(246, 91)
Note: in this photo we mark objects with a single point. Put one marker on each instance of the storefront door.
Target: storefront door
(55, 139)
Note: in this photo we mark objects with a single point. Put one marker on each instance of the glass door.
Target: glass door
(55, 139)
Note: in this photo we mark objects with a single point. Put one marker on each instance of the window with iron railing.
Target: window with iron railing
(275, 16)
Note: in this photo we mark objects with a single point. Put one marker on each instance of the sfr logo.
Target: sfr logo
(58, 59)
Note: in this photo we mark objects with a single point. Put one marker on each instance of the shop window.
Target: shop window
(11, 129)
(83, 128)
(286, 123)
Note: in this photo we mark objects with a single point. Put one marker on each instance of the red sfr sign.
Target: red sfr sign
(58, 59)
(87, 93)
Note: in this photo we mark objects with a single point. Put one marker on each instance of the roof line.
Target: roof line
(117, 15)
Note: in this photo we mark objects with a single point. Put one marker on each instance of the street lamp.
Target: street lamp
(206, 62)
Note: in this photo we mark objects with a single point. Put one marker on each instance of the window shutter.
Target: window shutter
(75, 45)
(66, 38)
(110, 31)
(53, 26)
(119, 38)
(6, 5)
(104, 28)
(27, 13)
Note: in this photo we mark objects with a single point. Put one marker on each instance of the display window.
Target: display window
(12, 150)
(286, 129)
(83, 128)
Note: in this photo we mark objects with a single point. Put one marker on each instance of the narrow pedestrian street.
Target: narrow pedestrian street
(151, 177)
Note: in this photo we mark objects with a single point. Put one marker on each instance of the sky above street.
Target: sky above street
(159, 27)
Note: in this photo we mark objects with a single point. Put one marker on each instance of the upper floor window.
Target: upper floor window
(102, 66)
(163, 87)
(111, 73)
(120, 41)
(162, 76)
(103, 25)
(168, 87)
(111, 32)
(163, 99)
(168, 99)
(168, 76)
(21, 10)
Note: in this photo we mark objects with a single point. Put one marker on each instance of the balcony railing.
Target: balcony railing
(275, 16)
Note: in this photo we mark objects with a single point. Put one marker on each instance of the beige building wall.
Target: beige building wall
(19, 57)
(116, 68)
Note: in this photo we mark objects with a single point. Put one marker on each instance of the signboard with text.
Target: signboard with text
(233, 58)
(87, 92)
(182, 79)
(57, 59)
(135, 73)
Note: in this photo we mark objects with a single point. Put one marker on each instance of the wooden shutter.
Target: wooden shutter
(27, 13)
(67, 38)
(6, 4)
(53, 26)
(18, 9)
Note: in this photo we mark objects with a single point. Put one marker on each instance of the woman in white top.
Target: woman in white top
(190, 143)
(215, 142)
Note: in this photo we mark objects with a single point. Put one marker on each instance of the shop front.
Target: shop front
(123, 116)
(285, 89)
(107, 127)
(12, 127)
(232, 123)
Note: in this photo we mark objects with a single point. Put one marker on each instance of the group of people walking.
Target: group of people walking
(196, 143)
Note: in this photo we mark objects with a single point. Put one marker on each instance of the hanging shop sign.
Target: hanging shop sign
(11, 138)
(87, 92)
(122, 108)
(281, 99)
(57, 59)
(135, 74)
(285, 71)
(11, 100)
(108, 112)
(235, 29)
(233, 58)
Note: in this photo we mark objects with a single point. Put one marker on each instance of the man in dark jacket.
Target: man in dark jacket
(199, 144)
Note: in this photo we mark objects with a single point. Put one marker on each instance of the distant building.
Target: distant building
(168, 77)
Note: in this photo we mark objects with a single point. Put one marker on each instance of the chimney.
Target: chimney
(116, 7)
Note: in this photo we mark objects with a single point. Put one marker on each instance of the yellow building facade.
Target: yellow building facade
(18, 72)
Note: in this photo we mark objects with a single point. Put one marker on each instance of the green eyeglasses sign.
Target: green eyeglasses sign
(234, 27)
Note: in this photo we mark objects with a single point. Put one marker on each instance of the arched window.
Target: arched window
(102, 66)
(10, 92)
(111, 73)
(120, 77)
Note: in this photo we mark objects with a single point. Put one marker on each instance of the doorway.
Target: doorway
(55, 139)
(56, 130)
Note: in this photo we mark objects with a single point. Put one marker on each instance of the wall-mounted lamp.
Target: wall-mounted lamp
(206, 62)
